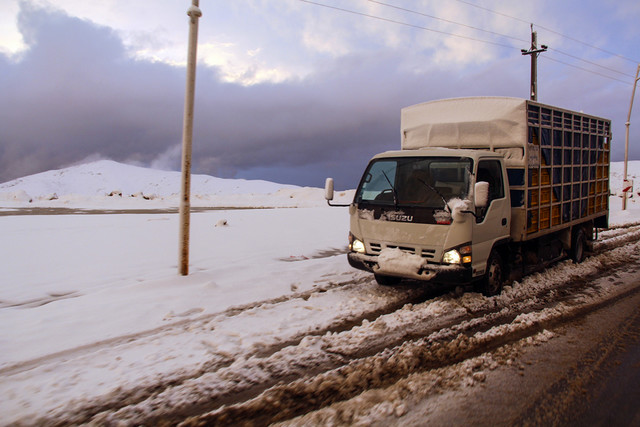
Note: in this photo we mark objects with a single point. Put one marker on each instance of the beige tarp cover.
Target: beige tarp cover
(495, 123)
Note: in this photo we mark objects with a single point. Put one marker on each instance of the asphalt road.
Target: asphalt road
(603, 389)
(588, 375)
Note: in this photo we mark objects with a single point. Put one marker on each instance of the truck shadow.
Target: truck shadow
(427, 291)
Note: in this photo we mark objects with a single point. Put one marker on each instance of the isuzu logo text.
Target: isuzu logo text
(399, 217)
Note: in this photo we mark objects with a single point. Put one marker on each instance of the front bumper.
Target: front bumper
(449, 274)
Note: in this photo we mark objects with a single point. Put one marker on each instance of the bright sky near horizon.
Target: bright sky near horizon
(288, 90)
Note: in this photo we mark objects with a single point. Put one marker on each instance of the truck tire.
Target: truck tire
(386, 280)
(578, 246)
(494, 277)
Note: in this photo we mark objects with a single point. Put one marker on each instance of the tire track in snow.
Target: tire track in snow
(436, 351)
(82, 411)
(167, 328)
(319, 355)
(613, 237)
(339, 344)
(616, 237)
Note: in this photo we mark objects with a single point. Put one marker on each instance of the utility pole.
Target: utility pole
(194, 14)
(534, 52)
(626, 139)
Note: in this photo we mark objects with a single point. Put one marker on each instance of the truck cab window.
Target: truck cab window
(414, 182)
(491, 171)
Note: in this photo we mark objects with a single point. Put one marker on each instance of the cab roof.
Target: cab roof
(441, 152)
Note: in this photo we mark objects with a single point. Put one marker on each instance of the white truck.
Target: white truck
(483, 191)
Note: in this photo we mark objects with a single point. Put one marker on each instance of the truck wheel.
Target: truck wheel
(493, 279)
(578, 246)
(386, 280)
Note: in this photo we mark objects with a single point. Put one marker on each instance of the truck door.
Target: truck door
(492, 222)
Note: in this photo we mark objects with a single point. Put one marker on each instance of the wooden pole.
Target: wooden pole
(194, 14)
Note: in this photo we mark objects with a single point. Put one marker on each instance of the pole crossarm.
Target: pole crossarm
(536, 51)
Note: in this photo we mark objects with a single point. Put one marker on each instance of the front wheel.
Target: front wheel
(494, 277)
(386, 280)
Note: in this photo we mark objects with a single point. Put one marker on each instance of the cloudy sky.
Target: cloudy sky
(290, 91)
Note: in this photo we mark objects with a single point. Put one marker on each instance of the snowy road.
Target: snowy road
(450, 354)
(341, 350)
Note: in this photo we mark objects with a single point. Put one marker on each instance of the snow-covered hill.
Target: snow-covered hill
(109, 184)
(102, 177)
(114, 184)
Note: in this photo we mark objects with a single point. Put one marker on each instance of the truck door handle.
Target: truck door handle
(504, 221)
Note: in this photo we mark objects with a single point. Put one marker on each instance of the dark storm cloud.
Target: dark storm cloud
(77, 94)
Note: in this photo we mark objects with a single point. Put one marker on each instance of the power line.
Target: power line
(504, 35)
(589, 45)
(587, 70)
(447, 20)
(548, 29)
(493, 11)
(393, 21)
(590, 62)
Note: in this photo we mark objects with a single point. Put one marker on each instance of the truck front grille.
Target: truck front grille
(377, 247)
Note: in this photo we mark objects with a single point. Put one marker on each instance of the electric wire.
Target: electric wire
(406, 24)
(419, 27)
(590, 62)
(585, 69)
(447, 21)
(549, 30)
(499, 34)
(507, 36)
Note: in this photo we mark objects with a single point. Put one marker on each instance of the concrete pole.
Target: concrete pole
(534, 52)
(194, 14)
(534, 65)
(626, 138)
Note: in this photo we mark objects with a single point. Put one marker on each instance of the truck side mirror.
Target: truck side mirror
(328, 189)
(481, 191)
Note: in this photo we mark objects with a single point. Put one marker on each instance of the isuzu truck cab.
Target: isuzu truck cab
(484, 190)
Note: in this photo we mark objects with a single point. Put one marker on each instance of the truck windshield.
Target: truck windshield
(415, 181)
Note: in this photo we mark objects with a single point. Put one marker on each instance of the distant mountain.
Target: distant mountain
(104, 177)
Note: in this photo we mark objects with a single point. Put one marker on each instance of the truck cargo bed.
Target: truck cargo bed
(557, 160)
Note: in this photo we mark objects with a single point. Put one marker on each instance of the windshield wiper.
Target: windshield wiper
(393, 189)
(435, 190)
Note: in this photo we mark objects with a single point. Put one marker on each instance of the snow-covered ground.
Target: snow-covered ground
(92, 305)
(106, 184)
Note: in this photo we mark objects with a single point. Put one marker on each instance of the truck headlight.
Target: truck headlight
(357, 246)
(451, 257)
(460, 255)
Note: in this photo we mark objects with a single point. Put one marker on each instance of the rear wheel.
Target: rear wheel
(494, 277)
(578, 246)
(386, 280)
